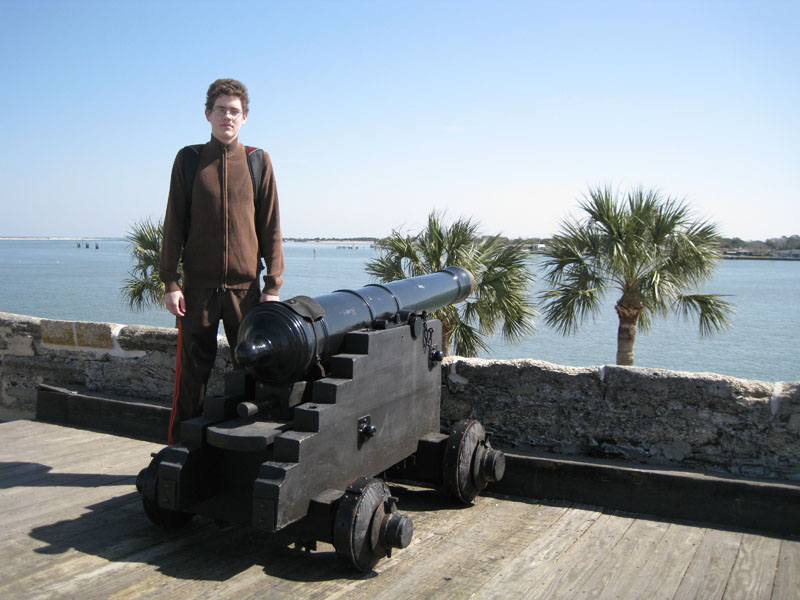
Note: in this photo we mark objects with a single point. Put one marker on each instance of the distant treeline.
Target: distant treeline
(790, 242)
(770, 246)
(371, 240)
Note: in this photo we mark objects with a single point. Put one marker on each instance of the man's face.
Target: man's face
(226, 118)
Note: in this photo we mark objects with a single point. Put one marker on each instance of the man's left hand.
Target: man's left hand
(269, 298)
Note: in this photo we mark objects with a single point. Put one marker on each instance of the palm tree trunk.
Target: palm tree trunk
(626, 334)
(447, 334)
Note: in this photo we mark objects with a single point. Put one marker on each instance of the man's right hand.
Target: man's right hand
(175, 302)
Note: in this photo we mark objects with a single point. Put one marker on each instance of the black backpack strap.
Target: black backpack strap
(255, 162)
(191, 160)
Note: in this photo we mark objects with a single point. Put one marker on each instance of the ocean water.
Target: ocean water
(57, 279)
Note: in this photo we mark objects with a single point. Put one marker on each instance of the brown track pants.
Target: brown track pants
(197, 345)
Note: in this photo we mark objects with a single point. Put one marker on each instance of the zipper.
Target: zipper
(224, 194)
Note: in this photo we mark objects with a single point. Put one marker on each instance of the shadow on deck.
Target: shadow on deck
(74, 526)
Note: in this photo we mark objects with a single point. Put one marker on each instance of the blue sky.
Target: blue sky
(376, 113)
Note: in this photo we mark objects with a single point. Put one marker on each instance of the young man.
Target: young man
(222, 223)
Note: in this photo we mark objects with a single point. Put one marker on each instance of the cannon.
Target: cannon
(335, 396)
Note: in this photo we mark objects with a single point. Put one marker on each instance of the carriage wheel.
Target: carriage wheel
(146, 484)
(367, 525)
(470, 462)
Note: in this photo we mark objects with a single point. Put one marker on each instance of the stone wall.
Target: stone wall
(651, 416)
(121, 361)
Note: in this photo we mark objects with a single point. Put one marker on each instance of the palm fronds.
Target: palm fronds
(501, 298)
(646, 246)
(143, 289)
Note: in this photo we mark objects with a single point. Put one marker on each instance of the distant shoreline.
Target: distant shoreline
(784, 258)
(352, 240)
(357, 240)
(55, 239)
(42, 238)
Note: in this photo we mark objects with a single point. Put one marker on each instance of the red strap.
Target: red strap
(174, 414)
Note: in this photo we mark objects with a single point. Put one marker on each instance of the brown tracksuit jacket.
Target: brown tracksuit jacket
(229, 229)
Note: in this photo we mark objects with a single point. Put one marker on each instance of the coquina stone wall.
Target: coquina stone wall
(121, 361)
(651, 416)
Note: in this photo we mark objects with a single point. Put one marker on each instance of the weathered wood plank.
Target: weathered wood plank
(73, 530)
(443, 543)
(67, 476)
(787, 576)
(82, 457)
(83, 555)
(55, 515)
(73, 469)
(624, 561)
(530, 568)
(82, 451)
(12, 432)
(460, 557)
(114, 530)
(570, 571)
(237, 557)
(61, 441)
(23, 506)
(158, 565)
(753, 572)
(458, 561)
(710, 569)
(663, 571)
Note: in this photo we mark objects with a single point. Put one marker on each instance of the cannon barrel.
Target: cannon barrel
(279, 342)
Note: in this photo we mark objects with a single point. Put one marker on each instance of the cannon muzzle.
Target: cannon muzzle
(279, 342)
(249, 352)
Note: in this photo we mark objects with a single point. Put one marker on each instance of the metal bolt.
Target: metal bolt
(493, 465)
(397, 531)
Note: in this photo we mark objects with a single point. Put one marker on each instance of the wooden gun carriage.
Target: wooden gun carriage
(334, 391)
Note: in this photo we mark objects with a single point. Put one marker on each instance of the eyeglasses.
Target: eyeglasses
(222, 111)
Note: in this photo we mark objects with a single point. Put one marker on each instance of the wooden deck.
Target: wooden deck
(73, 527)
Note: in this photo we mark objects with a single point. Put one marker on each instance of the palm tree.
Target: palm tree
(502, 280)
(143, 289)
(647, 247)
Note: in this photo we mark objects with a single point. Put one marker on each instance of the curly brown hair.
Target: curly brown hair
(227, 87)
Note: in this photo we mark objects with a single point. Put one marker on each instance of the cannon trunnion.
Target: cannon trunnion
(301, 454)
